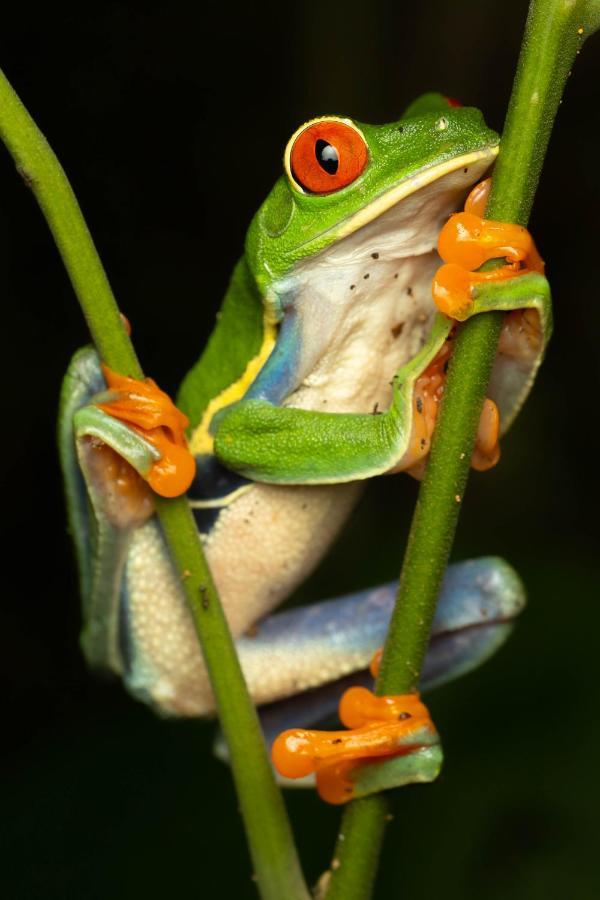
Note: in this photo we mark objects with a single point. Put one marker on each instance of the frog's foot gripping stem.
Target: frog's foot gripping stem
(153, 415)
(466, 241)
(390, 741)
(427, 394)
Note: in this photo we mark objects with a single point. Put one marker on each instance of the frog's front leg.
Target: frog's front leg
(143, 425)
(466, 242)
(289, 445)
(518, 288)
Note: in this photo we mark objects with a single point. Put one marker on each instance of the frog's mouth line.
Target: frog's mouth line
(411, 185)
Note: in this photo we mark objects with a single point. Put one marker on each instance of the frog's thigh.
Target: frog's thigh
(262, 546)
(270, 540)
(293, 651)
(160, 649)
(328, 646)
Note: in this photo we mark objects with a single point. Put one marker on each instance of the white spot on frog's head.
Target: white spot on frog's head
(441, 124)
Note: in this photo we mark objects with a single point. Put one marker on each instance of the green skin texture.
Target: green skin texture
(294, 446)
(268, 443)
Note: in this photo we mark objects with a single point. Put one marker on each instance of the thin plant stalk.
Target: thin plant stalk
(276, 865)
(554, 32)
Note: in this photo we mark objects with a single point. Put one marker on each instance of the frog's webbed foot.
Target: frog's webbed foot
(427, 394)
(466, 242)
(478, 601)
(142, 425)
(154, 416)
(390, 741)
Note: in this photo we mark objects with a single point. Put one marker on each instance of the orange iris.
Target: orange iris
(327, 156)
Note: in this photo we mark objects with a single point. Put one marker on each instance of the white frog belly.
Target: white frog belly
(262, 546)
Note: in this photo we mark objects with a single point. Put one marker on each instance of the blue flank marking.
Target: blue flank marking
(275, 381)
(212, 482)
(478, 598)
(473, 592)
(277, 378)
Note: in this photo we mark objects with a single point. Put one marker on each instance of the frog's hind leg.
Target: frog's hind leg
(309, 655)
(106, 500)
(82, 380)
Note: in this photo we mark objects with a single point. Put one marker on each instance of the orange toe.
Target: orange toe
(152, 413)
(466, 242)
(377, 728)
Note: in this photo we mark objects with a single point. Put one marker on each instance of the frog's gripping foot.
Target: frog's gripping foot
(466, 242)
(428, 390)
(153, 415)
(390, 741)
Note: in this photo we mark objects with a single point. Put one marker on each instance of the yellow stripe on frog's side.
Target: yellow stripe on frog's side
(202, 440)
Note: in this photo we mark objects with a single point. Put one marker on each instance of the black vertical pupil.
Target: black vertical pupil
(327, 157)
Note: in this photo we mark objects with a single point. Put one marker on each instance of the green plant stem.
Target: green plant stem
(554, 32)
(274, 856)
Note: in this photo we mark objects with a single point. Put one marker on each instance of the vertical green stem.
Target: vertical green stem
(277, 868)
(554, 32)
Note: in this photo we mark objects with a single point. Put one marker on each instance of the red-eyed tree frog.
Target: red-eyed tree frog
(325, 368)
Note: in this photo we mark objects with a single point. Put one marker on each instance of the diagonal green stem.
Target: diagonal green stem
(277, 868)
(554, 32)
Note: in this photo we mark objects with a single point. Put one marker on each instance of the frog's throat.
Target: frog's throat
(202, 441)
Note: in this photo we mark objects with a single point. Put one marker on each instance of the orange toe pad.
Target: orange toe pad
(466, 242)
(152, 413)
(378, 728)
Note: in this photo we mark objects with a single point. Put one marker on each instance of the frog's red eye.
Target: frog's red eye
(327, 155)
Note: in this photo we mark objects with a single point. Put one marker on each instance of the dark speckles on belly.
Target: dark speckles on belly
(409, 291)
(352, 286)
(204, 602)
(375, 255)
(397, 330)
(366, 276)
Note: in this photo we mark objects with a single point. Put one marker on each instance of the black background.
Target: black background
(171, 122)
